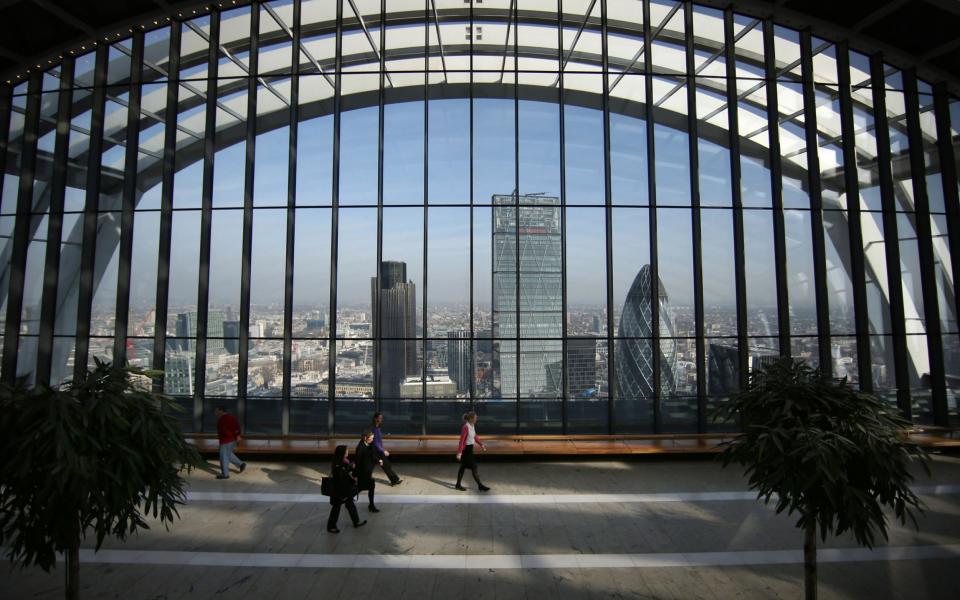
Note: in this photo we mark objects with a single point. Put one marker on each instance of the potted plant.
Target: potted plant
(819, 448)
(97, 457)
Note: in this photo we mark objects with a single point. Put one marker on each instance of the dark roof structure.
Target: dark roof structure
(919, 34)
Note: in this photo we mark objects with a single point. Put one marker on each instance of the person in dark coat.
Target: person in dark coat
(367, 461)
(383, 453)
(344, 489)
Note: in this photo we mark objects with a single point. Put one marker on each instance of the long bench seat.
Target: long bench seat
(514, 445)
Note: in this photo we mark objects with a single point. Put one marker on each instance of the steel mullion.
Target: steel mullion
(652, 200)
(891, 237)
(516, 197)
(58, 188)
(608, 213)
(925, 249)
(21, 230)
(129, 199)
(291, 219)
(6, 112)
(250, 163)
(814, 190)
(377, 315)
(203, 285)
(776, 189)
(473, 343)
(334, 224)
(166, 208)
(736, 192)
(951, 197)
(693, 136)
(852, 185)
(88, 248)
(426, 180)
(564, 346)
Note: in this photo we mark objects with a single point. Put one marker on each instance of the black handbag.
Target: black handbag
(326, 486)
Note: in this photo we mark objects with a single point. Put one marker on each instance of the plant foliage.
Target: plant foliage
(97, 457)
(832, 454)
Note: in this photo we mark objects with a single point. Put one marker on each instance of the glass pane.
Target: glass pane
(311, 273)
(143, 273)
(268, 268)
(801, 288)
(494, 152)
(719, 274)
(586, 259)
(356, 265)
(761, 297)
(449, 157)
(403, 153)
(448, 272)
(675, 265)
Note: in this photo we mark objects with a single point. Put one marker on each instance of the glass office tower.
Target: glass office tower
(537, 276)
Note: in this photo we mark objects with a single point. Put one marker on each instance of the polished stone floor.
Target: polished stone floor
(642, 528)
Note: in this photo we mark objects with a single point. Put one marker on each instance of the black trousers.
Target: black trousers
(335, 504)
(468, 461)
(370, 486)
(388, 469)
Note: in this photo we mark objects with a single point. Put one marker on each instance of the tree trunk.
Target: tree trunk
(810, 560)
(73, 571)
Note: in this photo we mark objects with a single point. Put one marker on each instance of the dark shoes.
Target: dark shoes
(333, 530)
(373, 508)
(242, 467)
(360, 524)
(483, 488)
(461, 488)
(397, 482)
(222, 476)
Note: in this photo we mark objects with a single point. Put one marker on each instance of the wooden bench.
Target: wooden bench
(521, 445)
(498, 445)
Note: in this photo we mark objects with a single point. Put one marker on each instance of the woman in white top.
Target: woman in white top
(468, 437)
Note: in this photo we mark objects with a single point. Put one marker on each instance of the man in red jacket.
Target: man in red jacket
(228, 432)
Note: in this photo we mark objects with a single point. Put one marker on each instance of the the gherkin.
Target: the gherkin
(635, 350)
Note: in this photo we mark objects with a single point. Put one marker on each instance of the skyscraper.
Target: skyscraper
(635, 350)
(395, 323)
(582, 367)
(187, 330)
(540, 312)
(231, 335)
(723, 370)
(178, 374)
(458, 359)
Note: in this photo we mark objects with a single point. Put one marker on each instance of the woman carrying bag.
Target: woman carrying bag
(468, 437)
(344, 489)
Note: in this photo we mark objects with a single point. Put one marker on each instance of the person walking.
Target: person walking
(344, 489)
(228, 434)
(468, 438)
(382, 452)
(367, 461)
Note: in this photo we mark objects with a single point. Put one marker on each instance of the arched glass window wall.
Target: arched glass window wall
(308, 210)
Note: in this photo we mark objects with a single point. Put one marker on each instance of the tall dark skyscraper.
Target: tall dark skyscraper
(723, 370)
(231, 335)
(635, 351)
(541, 294)
(395, 322)
(458, 359)
(187, 330)
(582, 367)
